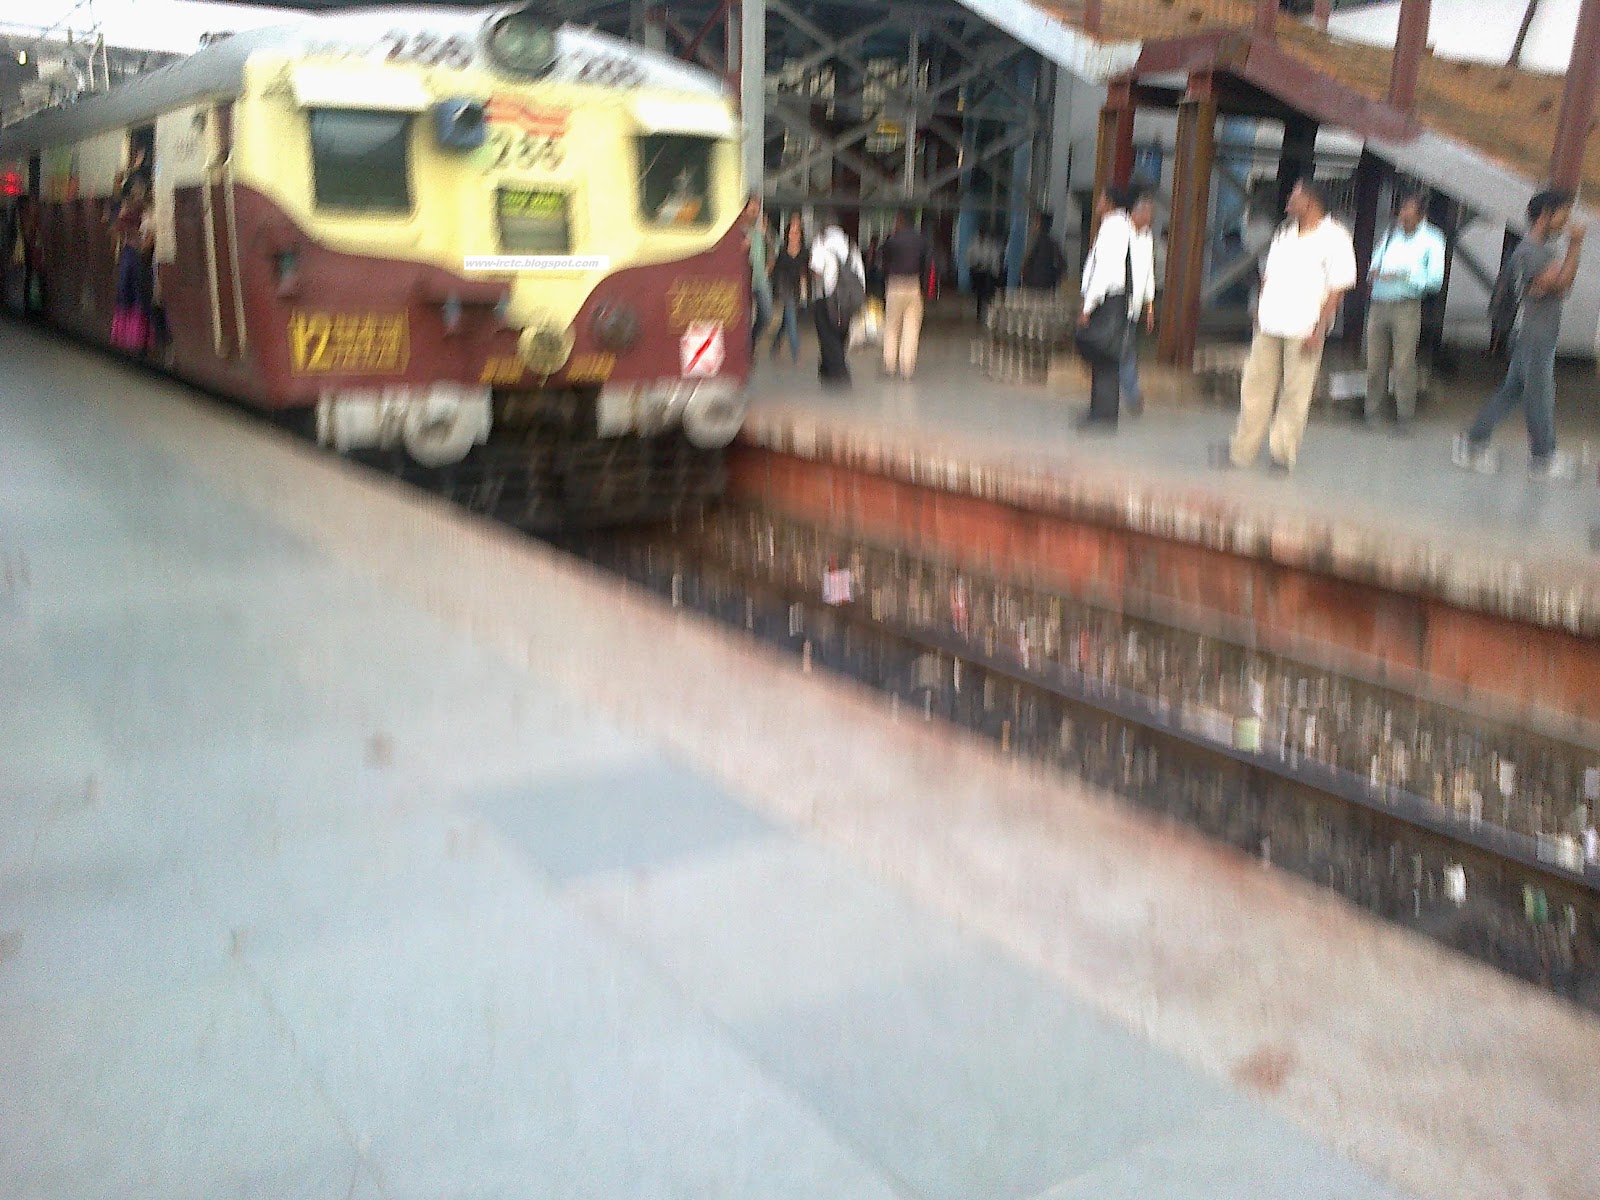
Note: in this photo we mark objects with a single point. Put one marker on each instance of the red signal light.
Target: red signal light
(11, 185)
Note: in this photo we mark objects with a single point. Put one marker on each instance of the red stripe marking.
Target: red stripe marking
(694, 359)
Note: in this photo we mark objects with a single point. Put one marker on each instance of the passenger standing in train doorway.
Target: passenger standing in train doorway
(130, 322)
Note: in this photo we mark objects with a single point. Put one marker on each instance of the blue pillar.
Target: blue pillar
(1021, 175)
(966, 220)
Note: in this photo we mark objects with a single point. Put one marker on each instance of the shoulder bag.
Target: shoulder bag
(1105, 337)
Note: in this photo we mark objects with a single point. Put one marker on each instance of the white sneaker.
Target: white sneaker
(1468, 457)
(1558, 467)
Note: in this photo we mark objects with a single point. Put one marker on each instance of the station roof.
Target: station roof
(1505, 113)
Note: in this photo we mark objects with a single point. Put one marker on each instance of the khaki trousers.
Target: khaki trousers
(1276, 365)
(1394, 327)
(902, 325)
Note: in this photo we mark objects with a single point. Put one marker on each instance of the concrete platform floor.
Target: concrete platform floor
(1368, 478)
(350, 847)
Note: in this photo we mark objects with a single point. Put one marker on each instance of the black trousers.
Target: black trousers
(1105, 390)
(833, 366)
(983, 290)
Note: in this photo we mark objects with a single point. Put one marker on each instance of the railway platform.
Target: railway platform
(1376, 552)
(355, 847)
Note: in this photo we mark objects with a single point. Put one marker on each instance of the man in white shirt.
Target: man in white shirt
(831, 253)
(1310, 266)
(1407, 267)
(1119, 277)
(984, 264)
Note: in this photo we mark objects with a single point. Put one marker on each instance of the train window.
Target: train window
(361, 160)
(675, 179)
(534, 221)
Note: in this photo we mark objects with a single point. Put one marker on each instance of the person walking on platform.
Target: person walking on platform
(839, 292)
(1141, 215)
(1536, 282)
(1045, 263)
(906, 258)
(984, 264)
(755, 242)
(1119, 283)
(1407, 267)
(1311, 264)
(789, 285)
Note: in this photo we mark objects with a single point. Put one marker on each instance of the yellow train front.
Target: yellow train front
(510, 254)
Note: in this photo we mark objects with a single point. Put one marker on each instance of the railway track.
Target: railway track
(1173, 724)
(1173, 721)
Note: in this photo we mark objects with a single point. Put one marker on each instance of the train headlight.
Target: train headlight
(545, 346)
(523, 44)
(616, 328)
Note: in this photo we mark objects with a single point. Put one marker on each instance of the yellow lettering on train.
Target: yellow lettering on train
(694, 301)
(592, 368)
(501, 370)
(368, 343)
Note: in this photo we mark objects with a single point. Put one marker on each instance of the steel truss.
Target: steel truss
(866, 105)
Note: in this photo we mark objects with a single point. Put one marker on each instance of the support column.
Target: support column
(1060, 183)
(1021, 192)
(1113, 159)
(753, 90)
(651, 31)
(1445, 215)
(1091, 17)
(1321, 13)
(1194, 153)
(1577, 100)
(1267, 18)
(913, 69)
(1298, 156)
(1410, 44)
(1369, 193)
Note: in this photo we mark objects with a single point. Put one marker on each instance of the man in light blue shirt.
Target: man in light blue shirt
(1407, 267)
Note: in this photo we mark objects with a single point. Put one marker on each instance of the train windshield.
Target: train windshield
(534, 221)
(675, 179)
(361, 160)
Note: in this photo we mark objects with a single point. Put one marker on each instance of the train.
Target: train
(497, 252)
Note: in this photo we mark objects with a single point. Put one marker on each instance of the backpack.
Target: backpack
(849, 295)
(1505, 302)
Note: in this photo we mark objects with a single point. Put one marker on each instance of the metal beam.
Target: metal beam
(1411, 43)
(1266, 25)
(1577, 101)
(1370, 171)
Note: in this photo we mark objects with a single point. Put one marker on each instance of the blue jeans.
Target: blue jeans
(1128, 372)
(1530, 382)
(763, 313)
(789, 327)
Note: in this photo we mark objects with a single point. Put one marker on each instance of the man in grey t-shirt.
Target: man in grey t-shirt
(1543, 281)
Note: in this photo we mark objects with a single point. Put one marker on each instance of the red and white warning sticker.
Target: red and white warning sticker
(702, 349)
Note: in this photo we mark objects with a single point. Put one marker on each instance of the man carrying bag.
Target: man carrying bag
(1119, 283)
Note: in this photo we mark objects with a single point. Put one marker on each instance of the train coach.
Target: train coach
(499, 253)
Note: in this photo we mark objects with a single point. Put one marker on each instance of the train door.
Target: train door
(142, 151)
(222, 242)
